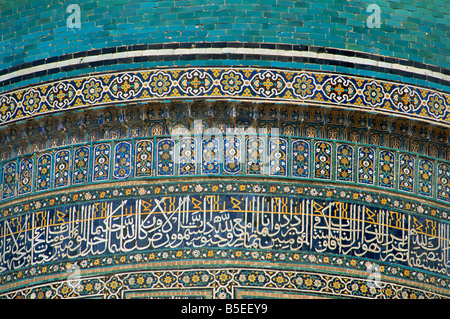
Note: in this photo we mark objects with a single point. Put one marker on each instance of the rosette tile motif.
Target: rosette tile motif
(281, 85)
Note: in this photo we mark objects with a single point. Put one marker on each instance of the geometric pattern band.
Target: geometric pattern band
(236, 154)
(283, 85)
(224, 283)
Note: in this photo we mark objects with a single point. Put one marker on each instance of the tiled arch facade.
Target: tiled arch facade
(222, 164)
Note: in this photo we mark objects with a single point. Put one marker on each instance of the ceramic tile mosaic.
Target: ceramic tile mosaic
(287, 157)
(291, 228)
(245, 84)
(224, 149)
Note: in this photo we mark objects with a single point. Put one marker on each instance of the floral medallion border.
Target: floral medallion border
(280, 85)
(225, 282)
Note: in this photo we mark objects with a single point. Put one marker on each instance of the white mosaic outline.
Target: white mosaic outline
(227, 50)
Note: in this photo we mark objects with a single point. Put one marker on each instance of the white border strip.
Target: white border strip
(270, 52)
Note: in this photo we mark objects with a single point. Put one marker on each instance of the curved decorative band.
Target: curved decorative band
(324, 230)
(256, 84)
(226, 155)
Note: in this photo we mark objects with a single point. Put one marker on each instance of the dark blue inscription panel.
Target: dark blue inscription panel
(289, 223)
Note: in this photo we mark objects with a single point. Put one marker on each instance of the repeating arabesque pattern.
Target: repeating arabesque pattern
(239, 154)
(219, 284)
(239, 83)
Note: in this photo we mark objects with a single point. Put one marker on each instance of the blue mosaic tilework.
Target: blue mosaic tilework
(61, 171)
(143, 158)
(9, 179)
(235, 154)
(172, 208)
(346, 173)
(229, 282)
(389, 74)
(26, 166)
(237, 83)
(32, 30)
(122, 160)
(344, 162)
(387, 171)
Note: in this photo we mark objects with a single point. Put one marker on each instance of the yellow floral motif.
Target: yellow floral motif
(388, 292)
(168, 280)
(280, 279)
(373, 94)
(436, 106)
(304, 86)
(160, 84)
(195, 278)
(231, 82)
(92, 90)
(308, 282)
(31, 101)
(223, 277)
(65, 290)
(114, 284)
(336, 284)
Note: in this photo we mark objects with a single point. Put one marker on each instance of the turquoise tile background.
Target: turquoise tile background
(32, 30)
